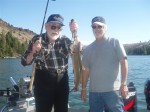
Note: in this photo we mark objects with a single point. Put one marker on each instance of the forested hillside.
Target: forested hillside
(13, 40)
(11, 46)
(141, 48)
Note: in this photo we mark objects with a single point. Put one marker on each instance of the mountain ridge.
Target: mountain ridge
(21, 34)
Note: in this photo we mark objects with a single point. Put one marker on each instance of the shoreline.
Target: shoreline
(9, 57)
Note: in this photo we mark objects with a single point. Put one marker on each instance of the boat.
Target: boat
(20, 100)
(147, 93)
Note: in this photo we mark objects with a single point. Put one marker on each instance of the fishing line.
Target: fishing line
(44, 17)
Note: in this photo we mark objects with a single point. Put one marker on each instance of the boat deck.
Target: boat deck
(33, 110)
(28, 105)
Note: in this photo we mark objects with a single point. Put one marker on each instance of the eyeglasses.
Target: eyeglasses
(55, 27)
(98, 26)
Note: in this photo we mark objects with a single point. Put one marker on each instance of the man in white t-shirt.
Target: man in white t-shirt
(105, 63)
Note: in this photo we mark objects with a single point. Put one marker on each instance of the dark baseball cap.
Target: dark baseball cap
(56, 18)
(99, 20)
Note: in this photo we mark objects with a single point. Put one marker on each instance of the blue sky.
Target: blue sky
(127, 20)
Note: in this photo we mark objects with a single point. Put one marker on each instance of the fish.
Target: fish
(76, 60)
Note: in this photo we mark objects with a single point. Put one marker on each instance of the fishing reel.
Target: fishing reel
(147, 93)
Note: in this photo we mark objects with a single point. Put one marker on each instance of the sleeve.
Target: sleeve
(120, 50)
(28, 51)
(67, 42)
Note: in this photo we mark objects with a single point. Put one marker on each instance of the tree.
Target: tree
(11, 46)
(145, 50)
(2, 42)
(9, 39)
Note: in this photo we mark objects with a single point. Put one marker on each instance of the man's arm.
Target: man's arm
(33, 48)
(124, 76)
(85, 77)
(124, 71)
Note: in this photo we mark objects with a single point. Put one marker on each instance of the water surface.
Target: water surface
(139, 71)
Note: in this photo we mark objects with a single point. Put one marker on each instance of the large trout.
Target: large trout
(76, 59)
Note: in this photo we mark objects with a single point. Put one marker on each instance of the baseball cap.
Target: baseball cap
(98, 20)
(56, 18)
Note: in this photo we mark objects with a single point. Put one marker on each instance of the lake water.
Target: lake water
(139, 71)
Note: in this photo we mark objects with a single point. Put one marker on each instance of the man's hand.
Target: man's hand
(123, 91)
(37, 46)
(73, 26)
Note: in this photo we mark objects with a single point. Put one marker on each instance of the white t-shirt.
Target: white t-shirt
(103, 60)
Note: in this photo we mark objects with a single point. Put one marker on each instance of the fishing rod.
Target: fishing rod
(34, 66)
(44, 17)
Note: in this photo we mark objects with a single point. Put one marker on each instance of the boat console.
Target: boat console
(18, 97)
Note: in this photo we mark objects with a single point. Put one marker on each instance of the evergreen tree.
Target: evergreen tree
(144, 50)
(2, 42)
(11, 46)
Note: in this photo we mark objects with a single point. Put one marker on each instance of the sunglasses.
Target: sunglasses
(55, 27)
(98, 26)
